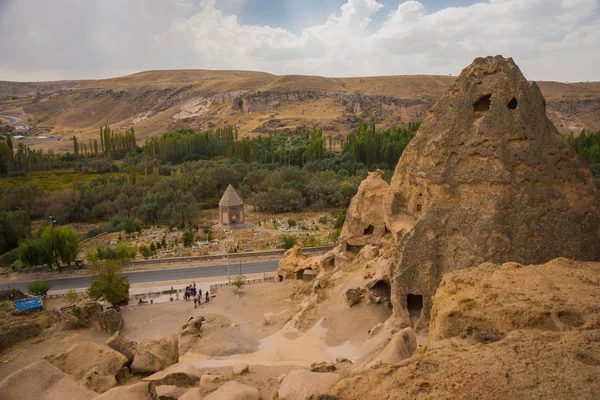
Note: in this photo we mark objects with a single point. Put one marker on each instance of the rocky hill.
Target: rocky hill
(258, 103)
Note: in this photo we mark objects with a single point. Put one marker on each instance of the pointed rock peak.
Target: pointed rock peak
(487, 178)
(230, 198)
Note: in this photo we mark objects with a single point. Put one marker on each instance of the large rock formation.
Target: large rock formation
(94, 365)
(296, 265)
(42, 381)
(365, 219)
(487, 178)
(501, 332)
(153, 355)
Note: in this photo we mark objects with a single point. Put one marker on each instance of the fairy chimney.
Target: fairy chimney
(486, 178)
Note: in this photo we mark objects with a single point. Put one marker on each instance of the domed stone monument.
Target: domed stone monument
(231, 208)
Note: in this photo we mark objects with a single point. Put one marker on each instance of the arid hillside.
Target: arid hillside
(258, 103)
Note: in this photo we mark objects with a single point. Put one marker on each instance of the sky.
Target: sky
(90, 39)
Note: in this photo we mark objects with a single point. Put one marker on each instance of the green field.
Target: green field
(54, 180)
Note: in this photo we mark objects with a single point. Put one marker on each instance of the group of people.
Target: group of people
(196, 295)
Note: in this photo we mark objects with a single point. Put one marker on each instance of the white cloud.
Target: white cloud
(549, 39)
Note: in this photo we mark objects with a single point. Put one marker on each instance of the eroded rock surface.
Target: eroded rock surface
(120, 343)
(94, 365)
(42, 381)
(487, 178)
(153, 355)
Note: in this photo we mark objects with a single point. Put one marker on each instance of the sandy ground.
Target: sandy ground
(235, 331)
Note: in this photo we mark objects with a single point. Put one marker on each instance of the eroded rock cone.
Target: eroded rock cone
(365, 219)
(487, 178)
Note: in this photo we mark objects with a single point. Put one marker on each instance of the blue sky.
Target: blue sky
(296, 15)
(81, 39)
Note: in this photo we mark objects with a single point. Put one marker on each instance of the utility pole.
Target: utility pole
(240, 267)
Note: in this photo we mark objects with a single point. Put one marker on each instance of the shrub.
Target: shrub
(239, 282)
(39, 288)
(109, 284)
(289, 241)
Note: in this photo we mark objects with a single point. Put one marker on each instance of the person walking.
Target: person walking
(207, 297)
(195, 302)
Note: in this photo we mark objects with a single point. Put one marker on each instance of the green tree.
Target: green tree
(125, 253)
(188, 238)
(289, 241)
(34, 252)
(292, 223)
(108, 283)
(75, 146)
(40, 288)
(62, 243)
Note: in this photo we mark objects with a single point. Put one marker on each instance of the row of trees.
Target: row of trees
(587, 146)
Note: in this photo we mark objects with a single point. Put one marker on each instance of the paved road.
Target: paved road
(11, 120)
(159, 275)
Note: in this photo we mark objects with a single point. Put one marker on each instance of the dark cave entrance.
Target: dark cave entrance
(369, 231)
(512, 105)
(414, 304)
(382, 289)
(482, 105)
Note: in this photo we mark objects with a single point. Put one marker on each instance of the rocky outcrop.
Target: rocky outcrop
(300, 384)
(500, 332)
(296, 265)
(94, 365)
(137, 391)
(42, 381)
(110, 320)
(169, 392)
(485, 303)
(233, 390)
(365, 218)
(486, 178)
(153, 355)
(120, 343)
(401, 346)
(176, 375)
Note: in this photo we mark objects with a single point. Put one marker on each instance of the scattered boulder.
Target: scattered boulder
(354, 296)
(120, 343)
(401, 346)
(42, 381)
(487, 178)
(177, 375)
(110, 320)
(137, 391)
(193, 326)
(207, 379)
(192, 394)
(233, 390)
(89, 310)
(240, 369)
(153, 355)
(169, 392)
(94, 365)
(322, 367)
(300, 384)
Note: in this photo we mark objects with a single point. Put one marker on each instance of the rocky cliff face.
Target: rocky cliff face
(487, 178)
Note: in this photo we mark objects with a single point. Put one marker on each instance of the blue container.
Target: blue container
(34, 303)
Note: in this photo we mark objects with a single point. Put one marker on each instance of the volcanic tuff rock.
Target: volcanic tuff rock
(94, 365)
(501, 332)
(365, 219)
(487, 178)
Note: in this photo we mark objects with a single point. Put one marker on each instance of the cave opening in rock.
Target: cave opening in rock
(414, 303)
(482, 105)
(369, 231)
(512, 105)
(240, 103)
(306, 274)
(382, 289)
(280, 278)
